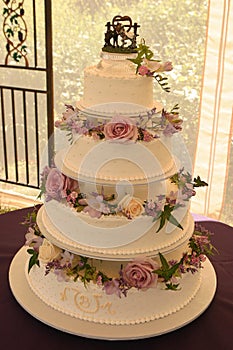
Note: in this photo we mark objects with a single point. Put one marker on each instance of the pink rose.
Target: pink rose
(57, 185)
(69, 185)
(120, 129)
(54, 184)
(143, 70)
(139, 273)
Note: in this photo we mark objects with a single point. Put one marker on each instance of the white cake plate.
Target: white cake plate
(108, 110)
(34, 306)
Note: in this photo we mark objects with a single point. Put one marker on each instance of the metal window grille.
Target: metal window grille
(25, 111)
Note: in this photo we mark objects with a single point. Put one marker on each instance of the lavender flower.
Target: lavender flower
(112, 287)
(169, 130)
(61, 275)
(153, 208)
(32, 239)
(66, 258)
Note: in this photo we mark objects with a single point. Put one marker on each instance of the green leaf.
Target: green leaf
(175, 179)
(172, 286)
(162, 221)
(164, 262)
(33, 260)
(173, 220)
(166, 271)
(166, 215)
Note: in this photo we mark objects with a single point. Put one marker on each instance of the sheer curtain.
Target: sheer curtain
(214, 141)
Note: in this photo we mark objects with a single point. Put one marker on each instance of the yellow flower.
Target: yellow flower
(131, 206)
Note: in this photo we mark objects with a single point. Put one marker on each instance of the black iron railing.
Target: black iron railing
(30, 163)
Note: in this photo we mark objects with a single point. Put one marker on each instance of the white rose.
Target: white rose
(48, 252)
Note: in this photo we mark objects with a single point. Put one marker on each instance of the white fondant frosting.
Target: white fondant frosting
(105, 161)
(114, 79)
(67, 234)
(90, 303)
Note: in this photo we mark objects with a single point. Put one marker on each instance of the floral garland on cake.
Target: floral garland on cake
(121, 128)
(147, 66)
(141, 273)
(57, 186)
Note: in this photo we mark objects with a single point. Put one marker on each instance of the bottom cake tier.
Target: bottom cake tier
(91, 303)
(39, 309)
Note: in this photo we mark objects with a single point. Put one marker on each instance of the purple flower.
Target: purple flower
(33, 240)
(112, 287)
(154, 208)
(172, 197)
(95, 206)
(61, 275)
(66, 258)
(169, 130)
(151, 205)
(94, 213)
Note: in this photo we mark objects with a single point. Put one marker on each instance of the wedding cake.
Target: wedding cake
(114, 242)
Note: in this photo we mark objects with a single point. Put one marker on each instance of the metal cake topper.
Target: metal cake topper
(121, 35)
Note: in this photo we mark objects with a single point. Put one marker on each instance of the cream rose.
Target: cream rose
(120, 129)
(48, 252)
(131, 206)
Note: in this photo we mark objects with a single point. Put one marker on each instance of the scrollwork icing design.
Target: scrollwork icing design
(15, 31)
(89, 305)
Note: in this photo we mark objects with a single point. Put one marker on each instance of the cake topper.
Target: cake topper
(121, 35)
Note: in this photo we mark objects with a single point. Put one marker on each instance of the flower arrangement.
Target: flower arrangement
(141, 273)
(120, 128)
(146, 66)
(57, 186)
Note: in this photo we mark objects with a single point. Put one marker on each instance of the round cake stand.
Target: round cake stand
(34, 306)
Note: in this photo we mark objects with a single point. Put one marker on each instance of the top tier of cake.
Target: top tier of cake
(124, 74)
(114, 79)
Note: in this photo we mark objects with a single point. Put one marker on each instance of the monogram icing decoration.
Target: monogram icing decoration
(88, 304)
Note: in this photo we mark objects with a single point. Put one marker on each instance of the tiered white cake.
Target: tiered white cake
(114, 242)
